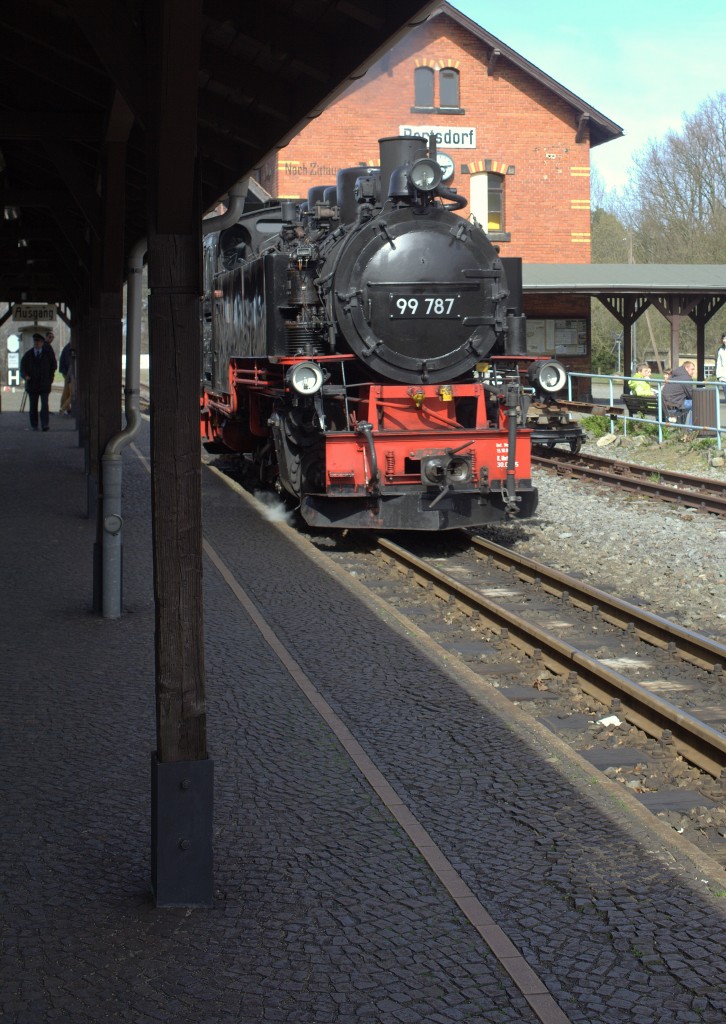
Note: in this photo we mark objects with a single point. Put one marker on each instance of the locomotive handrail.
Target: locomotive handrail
(511, 407)
(366, 429)
(430, 415)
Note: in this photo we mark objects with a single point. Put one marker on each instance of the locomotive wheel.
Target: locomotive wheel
(291, 501)
(576, 445)
(300, 430)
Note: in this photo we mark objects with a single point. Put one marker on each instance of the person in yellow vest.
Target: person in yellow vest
(639, 382)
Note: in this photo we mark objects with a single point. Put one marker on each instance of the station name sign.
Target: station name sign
(452, 138)
(35, 313)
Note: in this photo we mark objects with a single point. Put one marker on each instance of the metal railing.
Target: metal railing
(617, 385)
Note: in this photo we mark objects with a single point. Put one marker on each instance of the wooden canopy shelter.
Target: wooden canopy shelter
(627, 290)
(123, 121)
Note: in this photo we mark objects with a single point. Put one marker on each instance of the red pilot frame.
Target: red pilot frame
(374, 455)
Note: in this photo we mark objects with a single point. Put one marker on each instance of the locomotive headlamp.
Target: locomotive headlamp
(426, 175)
(548, 377)
(305, 378)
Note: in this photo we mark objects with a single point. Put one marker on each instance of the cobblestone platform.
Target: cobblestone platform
(393, 842)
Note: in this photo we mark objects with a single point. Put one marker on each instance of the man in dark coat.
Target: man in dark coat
(678, 392)
(37, 368)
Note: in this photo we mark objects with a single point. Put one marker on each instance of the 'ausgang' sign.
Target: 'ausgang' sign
(37, 314)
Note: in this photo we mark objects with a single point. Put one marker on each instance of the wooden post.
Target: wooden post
(626, 309)
(182, 775)
(707, 307)
(176, 495)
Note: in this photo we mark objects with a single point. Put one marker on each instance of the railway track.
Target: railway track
(638, 696)
(696, 741)
(704, 493)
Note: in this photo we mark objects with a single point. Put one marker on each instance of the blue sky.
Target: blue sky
(641, 63)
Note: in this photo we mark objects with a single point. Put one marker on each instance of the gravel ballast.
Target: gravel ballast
(669, 559)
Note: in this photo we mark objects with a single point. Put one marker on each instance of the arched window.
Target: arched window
(495, 197)
(486, 199)
(449, 87)
(423, 80)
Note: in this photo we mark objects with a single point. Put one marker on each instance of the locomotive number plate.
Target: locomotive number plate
(434, 307)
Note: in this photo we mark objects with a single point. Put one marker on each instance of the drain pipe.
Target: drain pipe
(111, 462)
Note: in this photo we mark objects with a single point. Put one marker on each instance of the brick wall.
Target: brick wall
(544, 306)
(519, 124)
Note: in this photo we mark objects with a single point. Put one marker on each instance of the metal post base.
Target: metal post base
(182, 795)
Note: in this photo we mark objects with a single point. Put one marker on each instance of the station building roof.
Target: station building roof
(585, 117)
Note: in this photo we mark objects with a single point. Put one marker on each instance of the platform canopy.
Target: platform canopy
(627, 290)
(75, 89)
(704, 279)
(122, 122)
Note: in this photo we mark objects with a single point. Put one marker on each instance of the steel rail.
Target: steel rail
(694, 740)
(704, 493)
(693, 647)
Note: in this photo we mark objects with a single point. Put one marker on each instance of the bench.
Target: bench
(647, 405)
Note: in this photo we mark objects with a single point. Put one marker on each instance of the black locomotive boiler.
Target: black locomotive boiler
(348, 346)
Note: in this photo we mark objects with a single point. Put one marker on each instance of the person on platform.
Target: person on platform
(37, 368)
(67, 369)
(639, 385)
(49, 339)
(678, 392)
(721, 364)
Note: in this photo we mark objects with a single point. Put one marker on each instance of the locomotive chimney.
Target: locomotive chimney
(397, 150)
(345, 185)
(315, 195)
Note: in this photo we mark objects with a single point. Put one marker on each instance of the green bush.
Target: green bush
(672, 433)
(596, 426)
(646, 427)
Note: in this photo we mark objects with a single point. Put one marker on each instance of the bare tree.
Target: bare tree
(610, 244)
(673, 211)
(677, 198)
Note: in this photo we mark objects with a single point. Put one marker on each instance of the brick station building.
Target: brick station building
(512, 140)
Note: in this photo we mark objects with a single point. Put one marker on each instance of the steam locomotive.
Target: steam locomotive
(362, 351)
